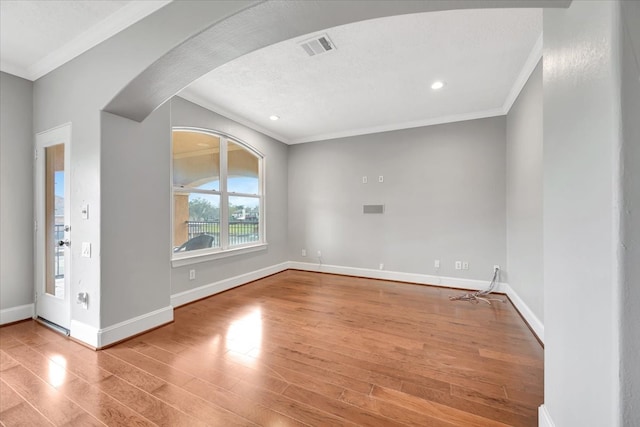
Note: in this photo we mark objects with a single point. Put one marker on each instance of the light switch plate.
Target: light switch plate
(86, 249)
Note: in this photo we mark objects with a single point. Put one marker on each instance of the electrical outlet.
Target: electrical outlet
(381, 266)
(458, 265)
(465, 265)
(436, 263)
(192, 275)
(304, 252)
(364, 180)
(496, 267)
(319, 254)
(381, 178)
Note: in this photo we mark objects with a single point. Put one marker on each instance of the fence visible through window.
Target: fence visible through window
(58, 260)
(240, 232)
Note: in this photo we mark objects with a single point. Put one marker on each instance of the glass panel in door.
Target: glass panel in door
(54, 221)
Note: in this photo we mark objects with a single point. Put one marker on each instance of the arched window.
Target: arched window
(218, 196)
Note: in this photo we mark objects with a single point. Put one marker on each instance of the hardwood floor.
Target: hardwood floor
(296, 348)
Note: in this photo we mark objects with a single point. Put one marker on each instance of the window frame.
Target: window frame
(224, 250)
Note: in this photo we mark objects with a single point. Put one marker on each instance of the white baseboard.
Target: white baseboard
(85, 333)
(15, 314)
(426, 279)
(423, 279)
(99, 338)
(128, 328)
(195, 294)
(526, 312)
(544, 418)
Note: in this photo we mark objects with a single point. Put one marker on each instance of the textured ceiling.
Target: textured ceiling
(379, 76)
(38, 36)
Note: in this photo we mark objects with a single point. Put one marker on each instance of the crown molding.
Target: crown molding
(113, 24)
(530, 64)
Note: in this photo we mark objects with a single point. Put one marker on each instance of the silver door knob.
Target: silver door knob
(64, 243)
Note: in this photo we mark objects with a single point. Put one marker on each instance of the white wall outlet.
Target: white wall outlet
(381, 178)
(436, 263)
(319, 254)
(364, 180)
(381, 266)
(304, 252)
(86, 249)
(465, 265)
(458, 265)
(85, 211)
(192, 275)
(496, 267)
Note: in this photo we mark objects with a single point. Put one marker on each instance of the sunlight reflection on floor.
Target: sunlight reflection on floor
(245, 334)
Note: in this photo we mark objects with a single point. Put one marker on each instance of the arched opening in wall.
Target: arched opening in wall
(218, 197)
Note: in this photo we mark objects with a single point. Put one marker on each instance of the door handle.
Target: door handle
(66, 243)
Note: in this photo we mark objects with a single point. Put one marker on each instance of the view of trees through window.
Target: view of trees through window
(211, 210)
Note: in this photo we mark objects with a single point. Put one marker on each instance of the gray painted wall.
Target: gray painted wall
(185, 113)
(630, 155)
(76, 92)
(135, 220)
(581, 230)
(524, 195)
(443, 191)
(16, 191)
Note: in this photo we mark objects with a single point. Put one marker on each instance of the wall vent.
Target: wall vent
(318, 45)
(373, 209)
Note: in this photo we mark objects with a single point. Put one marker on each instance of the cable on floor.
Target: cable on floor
(476, 297)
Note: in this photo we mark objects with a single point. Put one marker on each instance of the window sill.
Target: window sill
(210, 256)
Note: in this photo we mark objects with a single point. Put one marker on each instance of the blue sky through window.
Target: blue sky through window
(59, 184)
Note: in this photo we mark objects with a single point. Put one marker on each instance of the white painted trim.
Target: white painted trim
(189, 259)
(526, 312)
(189, 95)
(401, 126)
(83, 332)
(198, 100)
(425, 279)
(131, 327)
(182, 298)
(528, 67)
(544, 418)
(15, 314)
(13, 69)
(119, 20)
(99, 338)
(51, 308)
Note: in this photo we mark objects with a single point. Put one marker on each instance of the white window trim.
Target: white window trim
(182, 259)
(204, 255)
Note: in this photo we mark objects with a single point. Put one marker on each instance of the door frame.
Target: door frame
(50, 308)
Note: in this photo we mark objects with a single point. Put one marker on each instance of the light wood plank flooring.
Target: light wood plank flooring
(296, 348)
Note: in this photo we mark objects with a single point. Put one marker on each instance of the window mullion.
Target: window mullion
(224, 197)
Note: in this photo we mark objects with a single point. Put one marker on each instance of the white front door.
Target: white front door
(53, 228)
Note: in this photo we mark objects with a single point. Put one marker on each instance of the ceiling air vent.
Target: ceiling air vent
(318, 45)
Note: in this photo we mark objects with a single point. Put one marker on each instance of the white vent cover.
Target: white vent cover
(317, 45)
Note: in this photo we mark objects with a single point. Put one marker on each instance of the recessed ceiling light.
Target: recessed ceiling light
(437, 85)
(274, 117)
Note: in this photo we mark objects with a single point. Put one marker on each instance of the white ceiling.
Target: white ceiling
(377, 79)
(38, 36)
(379, 76)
